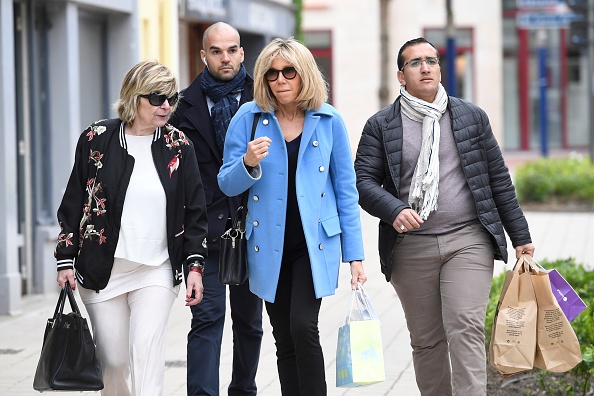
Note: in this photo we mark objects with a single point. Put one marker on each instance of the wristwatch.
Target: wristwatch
(197, 266)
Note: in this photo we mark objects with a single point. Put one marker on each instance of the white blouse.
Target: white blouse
(143, 232)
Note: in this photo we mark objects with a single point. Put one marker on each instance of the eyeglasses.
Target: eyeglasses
(288, 72)
(414, 63)
(157, 99)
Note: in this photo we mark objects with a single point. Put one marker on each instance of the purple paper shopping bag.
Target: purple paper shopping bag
(571, 304)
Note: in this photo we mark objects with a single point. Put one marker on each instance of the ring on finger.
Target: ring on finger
(402, 227)
(264, 154)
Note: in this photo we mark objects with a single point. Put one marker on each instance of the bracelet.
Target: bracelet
(196, 269)
(197, 266)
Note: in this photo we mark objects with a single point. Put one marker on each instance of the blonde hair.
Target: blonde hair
(142, 79)
(314, 90)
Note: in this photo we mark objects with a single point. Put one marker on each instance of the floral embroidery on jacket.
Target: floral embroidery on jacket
(96, 157)
(94, 205)
(174, 138)
(64, 238)
(173, 164)
(90, 232)
(95, 130)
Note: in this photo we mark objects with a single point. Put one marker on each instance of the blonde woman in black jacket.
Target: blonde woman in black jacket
(132, 215)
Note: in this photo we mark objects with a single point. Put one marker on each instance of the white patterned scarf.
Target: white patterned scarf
(424, 187)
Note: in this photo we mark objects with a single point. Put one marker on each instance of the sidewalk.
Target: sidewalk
(556, 235)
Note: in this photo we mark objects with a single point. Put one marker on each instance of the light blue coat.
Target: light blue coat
(326, 195)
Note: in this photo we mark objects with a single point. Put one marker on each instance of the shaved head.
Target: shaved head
(219, 28)
(221, 51)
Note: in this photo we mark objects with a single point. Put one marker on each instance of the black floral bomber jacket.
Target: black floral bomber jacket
(91, 209)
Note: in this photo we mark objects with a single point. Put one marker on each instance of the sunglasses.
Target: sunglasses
(157, 99)
(289, 73)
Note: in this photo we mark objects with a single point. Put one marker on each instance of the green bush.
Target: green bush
(556, 180)
(578, 381)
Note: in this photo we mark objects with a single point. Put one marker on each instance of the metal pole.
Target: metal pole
(542, 85)
(590, 74)
(384, 90)
(450, 51)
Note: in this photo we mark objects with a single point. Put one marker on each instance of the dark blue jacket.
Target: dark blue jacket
(193, 118)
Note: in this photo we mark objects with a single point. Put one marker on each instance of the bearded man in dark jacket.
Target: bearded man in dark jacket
(430, 168)
(204, 113)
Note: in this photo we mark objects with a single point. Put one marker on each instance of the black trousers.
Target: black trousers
(294, 319)
(206, 334)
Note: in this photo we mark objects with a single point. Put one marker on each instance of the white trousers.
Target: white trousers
(130, 332)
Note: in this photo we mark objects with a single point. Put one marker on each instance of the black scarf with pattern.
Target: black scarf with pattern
(223, 94)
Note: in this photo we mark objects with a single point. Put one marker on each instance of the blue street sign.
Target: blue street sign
(537, 3)
(544, 20)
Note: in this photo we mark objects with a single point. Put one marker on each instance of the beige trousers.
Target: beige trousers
(130, 332)
(443, 283)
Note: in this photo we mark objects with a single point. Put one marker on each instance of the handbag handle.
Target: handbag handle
(241, 213)
(66, 291)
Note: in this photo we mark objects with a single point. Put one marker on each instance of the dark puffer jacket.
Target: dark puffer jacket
(377, 165)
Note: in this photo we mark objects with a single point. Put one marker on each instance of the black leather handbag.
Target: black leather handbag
(68, 361)
(232, 257)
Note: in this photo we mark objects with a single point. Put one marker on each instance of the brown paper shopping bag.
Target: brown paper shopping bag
(513, 340)
(557, 349)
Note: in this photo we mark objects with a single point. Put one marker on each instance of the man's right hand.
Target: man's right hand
(407, 220)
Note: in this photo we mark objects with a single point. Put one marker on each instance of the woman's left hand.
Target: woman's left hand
(357, 274)
(194, 285)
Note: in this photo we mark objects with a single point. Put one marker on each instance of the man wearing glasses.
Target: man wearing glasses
(203, 114)
(430, 168)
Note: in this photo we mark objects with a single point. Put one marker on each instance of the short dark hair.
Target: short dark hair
(410, 43)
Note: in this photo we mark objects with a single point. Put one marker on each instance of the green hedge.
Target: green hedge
(579, 379)
(556, 180)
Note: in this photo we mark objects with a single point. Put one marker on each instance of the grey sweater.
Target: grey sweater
(455, 205)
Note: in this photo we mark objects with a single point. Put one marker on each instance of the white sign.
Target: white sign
(538, 3)
(543, 20)
(215, 8)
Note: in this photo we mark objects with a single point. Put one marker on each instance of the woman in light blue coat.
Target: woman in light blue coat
(303, 210)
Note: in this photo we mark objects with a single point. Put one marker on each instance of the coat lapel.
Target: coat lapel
(197, 114)
(309, 126)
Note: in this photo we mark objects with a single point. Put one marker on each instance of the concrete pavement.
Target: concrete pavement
(556, 235)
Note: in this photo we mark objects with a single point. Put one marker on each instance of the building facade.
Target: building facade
(356, 54)
(496, 63)
(62, 66)
(62, 63)
(258, 22)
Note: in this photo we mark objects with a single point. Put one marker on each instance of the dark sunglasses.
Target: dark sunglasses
(289, 73)
(157, 99)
